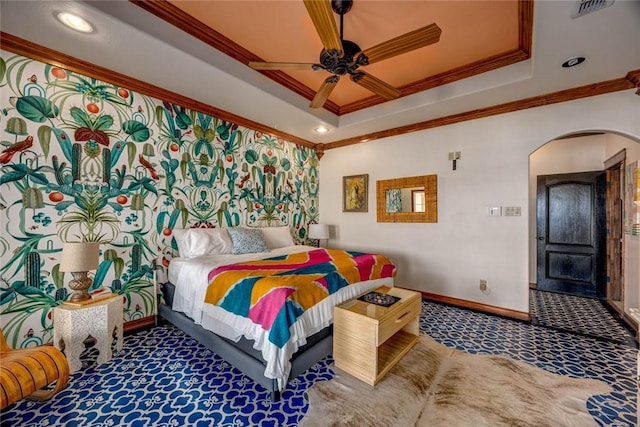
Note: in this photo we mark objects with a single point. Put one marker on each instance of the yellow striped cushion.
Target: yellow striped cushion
(25, 371)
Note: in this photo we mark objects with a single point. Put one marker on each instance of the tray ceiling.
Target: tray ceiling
(473, 32)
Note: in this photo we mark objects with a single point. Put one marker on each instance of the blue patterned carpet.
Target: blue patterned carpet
(164, 378)
(583, 316)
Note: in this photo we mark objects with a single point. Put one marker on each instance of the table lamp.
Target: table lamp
(78, 258)
(319, 232)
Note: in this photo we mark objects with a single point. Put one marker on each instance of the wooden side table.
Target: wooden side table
(369, 339)
(102, 320)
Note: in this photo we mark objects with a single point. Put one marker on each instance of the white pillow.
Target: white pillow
(208, 241)
(194, 242)
(277, 237)
(227, 244)
(181, 240)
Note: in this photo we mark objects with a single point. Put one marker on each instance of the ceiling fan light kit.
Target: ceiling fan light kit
(341, 57)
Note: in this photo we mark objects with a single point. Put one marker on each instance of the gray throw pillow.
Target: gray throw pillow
(247, 240)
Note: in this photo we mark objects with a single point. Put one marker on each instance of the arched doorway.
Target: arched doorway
(612, 155)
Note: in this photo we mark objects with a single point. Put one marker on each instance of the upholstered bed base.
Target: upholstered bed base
(241, 354)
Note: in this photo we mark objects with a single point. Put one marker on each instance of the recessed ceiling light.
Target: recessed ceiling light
(75, 22)
(322, 129)
(573, 61)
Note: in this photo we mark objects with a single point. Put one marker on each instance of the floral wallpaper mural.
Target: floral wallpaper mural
(83, 160)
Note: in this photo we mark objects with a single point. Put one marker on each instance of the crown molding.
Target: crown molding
(634, 78)
(615, 85)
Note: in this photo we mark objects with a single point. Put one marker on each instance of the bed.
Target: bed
(273, 343)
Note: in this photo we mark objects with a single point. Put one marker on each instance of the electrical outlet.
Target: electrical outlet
(483, 285)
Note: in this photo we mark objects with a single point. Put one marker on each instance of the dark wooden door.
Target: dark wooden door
(571, 233)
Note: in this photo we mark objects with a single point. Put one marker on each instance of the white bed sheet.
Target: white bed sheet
(190, 279)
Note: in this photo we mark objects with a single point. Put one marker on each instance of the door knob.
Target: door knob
(540, 237)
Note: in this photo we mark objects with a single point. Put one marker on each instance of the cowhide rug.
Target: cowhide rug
(434, 385)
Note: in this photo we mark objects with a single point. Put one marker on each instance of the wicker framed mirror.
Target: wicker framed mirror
(410, 199)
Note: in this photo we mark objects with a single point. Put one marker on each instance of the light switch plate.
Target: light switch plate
(494, 211)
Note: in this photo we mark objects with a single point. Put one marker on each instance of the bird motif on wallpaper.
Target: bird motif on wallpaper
(244, 180)
(7, 153)
(290, 187)
(148, 166)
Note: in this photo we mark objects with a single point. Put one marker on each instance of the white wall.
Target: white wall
(466, 245)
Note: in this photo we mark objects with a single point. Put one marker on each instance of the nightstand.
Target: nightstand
(369, 339)
(74, 323)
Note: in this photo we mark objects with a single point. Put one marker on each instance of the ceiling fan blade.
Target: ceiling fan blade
(322, 16)
(405, 43)
(376, 85)
(323, 93)
(256, 65)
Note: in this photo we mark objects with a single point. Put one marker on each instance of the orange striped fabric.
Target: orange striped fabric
(24, 372)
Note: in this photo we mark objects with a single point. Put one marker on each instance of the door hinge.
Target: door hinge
(608, 279)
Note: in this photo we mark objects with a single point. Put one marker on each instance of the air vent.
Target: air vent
(587, 6)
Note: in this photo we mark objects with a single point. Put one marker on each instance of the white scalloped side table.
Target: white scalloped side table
(102, 320)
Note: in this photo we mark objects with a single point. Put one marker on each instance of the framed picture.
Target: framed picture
(355, 193)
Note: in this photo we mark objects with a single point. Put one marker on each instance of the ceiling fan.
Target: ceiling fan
(340, 57)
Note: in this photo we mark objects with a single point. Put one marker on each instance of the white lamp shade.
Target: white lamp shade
(80, 256)
(318, 231)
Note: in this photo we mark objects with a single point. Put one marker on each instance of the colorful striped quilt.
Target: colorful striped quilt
(274, 292)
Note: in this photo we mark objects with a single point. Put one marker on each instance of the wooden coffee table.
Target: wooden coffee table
(369, 339)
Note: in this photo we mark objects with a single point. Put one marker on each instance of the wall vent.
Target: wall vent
(587, 6)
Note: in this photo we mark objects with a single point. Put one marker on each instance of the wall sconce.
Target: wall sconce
(78, 258)
(319, 232)
(454, 155)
